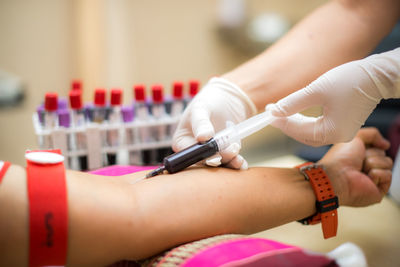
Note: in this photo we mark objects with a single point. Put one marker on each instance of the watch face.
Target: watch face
(44, 157)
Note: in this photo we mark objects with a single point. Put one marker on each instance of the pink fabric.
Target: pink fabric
(256, 252)
(117, 170)
(283, 258)
(233, 250)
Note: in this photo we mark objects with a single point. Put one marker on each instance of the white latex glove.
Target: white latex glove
(348, 94)
(218, 102)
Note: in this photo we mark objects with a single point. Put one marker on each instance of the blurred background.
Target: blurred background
(117, 43)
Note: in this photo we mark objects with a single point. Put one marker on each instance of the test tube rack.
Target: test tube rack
(131, 148)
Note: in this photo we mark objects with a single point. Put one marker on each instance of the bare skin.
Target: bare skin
(114, 218)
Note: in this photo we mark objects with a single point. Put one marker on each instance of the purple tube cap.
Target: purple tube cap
(62, 103)
(127, 113)
(40, 112)
(64, 118)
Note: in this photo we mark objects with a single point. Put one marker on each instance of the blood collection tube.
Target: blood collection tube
(177, 105)
(99, 116)
(160, 115)
(78, 137)
(158, 111)
(64, 121)
(50, 118)
(99, 110)
(141, 115)
(141, 111)
(40, 114)
(114, 119)
(177, 95)
(130, 136)
(193, 90)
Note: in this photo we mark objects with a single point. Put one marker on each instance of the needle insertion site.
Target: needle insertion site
(197, 152)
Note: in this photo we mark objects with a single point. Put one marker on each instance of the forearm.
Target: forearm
(112, 218)
(198, 203)
(338, 32)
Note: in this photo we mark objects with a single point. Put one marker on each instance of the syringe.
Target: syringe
(197, 152)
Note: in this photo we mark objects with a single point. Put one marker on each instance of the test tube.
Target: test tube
(142, 115)
(193, 90)
(50, 115)
(50, 118)
(177, 106)
(64, 121)
(114, 119)
(99, 113)
(99, 110)
(177, 95)
(130, 135)
(159, 114)
(141, 111)
(78, 137)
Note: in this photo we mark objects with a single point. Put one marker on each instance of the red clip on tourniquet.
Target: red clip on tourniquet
(48, 213)
(3, 169)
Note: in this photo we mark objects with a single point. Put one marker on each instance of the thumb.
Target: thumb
(296, 102)
(304, 129)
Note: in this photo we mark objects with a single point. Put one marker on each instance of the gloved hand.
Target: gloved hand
(348, 94)
(219, 102)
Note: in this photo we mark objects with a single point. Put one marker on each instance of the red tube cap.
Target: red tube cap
(100, 97)
(116, 96)
(193, 87)
(76, 85)
(139, 92)
(157, 91)
(177, 90)
(51, 101)
(75, 99)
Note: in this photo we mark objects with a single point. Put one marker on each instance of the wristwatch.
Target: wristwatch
(327, 202)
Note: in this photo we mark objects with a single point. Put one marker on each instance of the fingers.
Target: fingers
(379, 168)
(377, 162)
(202, 127)
(182, 139)
(296, 102)
(230, 158)
(381, 178)
(372, 137)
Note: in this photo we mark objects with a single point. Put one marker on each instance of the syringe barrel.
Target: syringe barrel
(189, 156)
(236, 133)
(253, 124)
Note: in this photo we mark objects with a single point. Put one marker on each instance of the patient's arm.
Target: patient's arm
(113, 218)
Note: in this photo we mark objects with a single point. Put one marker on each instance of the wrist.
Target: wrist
(336, 176)
(326, 200)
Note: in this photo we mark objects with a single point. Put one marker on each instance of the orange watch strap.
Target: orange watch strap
(327, 202)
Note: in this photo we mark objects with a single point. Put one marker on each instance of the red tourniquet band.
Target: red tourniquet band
(48, 213)
(3, 169)
(327, 202)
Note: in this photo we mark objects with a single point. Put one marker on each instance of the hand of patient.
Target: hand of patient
(359, 170)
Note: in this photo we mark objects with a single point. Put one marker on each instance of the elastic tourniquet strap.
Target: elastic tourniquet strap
(3, 168)
(48, 213)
